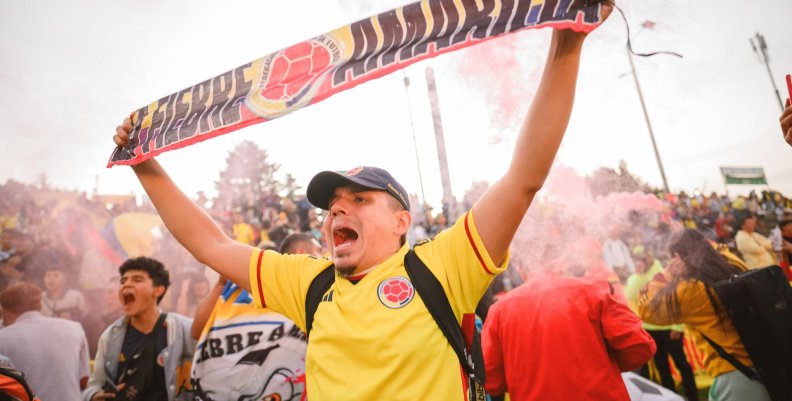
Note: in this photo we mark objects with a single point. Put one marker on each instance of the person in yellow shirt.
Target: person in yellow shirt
(242, 231)
(667, 338)
(756, 249)
(679, 295)
(372, 336)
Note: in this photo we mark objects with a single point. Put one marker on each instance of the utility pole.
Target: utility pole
(412, 127)
(760, 48)
(448, 197)
(648, 123)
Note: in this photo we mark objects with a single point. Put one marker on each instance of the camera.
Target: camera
(5, 255)
(109, 387)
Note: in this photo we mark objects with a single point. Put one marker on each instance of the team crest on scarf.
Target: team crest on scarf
(289, 79)
(395, 292)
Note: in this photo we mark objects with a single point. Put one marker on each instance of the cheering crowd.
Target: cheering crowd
(178, 300)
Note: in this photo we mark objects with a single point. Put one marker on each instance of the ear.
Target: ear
(159, 290)
(403, 222)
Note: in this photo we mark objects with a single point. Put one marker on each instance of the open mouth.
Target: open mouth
(343, 237)
(128, 298)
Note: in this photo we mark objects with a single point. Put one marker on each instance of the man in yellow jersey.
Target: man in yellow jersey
(372, 337)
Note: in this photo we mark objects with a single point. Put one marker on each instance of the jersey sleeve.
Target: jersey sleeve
(280, 282)
(461, 263)
(630, 345)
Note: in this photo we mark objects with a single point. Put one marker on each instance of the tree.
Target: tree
(247, 178)
(290, 186)
(605, 180)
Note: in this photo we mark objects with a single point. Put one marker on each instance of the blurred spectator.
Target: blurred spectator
(56, 370)
(61, 301)
(194, 288)
(785, 254)
(264, 238)
(19, 247)
(255, 224)
(8, 215)
(112, 308)
(300, 244)
(241, 231)
(440, 223)
(667, 338)
(723, 229)
(616, 255)
(58, 300)
(680, 295)
(280, 229)
(756, 249)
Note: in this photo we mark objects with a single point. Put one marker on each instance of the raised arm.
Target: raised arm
(205, 308)
(188, 223)
(786, 121)
(500, 210)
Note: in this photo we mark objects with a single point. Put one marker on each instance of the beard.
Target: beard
(345, 271)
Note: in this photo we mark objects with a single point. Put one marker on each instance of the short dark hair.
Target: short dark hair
(741, 217)
(154, 268)
(21, 298)
(292, 240)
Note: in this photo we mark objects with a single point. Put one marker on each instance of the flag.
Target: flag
(743, 175)
(310, 71)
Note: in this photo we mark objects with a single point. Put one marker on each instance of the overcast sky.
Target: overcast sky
(70, 72)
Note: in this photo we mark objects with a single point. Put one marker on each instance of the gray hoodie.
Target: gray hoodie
(177, 356)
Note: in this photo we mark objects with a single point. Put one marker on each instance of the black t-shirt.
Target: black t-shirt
(133, 340)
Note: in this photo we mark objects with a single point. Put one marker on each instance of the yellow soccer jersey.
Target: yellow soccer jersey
(375, 339)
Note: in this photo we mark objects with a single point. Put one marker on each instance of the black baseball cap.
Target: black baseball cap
(322, 187)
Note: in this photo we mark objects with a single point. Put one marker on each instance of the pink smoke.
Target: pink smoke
(565, 213)
(505, 71)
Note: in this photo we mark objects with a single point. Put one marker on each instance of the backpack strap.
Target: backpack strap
(319, 286)
(748, 372)
(17, 377)
(436, 301)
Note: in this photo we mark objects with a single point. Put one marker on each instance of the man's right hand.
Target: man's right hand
(121, 137)
(195, 230)
(107, 395)
(786, 122)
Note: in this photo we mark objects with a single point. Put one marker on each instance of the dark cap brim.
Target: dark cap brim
(323, 186)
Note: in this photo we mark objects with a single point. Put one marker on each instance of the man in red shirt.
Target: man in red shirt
(562, 338)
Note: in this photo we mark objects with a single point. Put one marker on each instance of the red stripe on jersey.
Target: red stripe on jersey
(473, 244)
(465, 383)
(258, 279)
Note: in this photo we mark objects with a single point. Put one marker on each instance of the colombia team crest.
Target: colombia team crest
(289, 79)
(395, 292)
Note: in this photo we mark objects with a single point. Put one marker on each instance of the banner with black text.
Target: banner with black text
(315, 69)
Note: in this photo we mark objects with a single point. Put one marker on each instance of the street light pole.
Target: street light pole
(415, 143)
(761, 47)
(648, 123)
